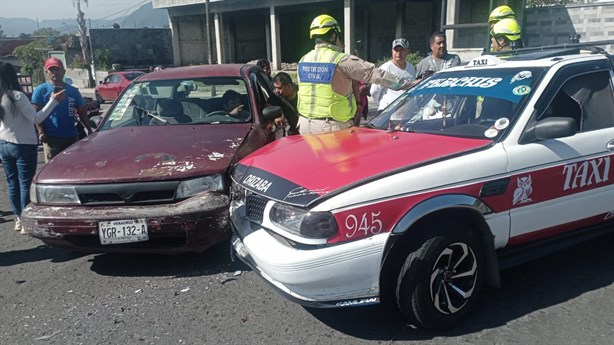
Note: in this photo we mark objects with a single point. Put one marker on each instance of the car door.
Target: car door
(105, 88)
(565, 183)
(261, 96)
(116, 85)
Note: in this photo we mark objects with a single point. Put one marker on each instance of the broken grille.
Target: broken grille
(255, 207)
(143, 193)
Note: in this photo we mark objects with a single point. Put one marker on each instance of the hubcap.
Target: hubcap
(453, 278)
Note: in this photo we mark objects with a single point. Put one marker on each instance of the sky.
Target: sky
(61, 9)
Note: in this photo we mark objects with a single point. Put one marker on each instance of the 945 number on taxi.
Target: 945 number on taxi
(123, 231)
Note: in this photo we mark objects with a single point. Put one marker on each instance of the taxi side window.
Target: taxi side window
(588, 98)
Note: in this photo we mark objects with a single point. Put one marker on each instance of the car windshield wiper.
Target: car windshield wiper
(152, 114)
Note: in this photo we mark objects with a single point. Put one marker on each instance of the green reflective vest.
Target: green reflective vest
(316, 98)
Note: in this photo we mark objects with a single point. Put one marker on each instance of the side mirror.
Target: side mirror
(271, 112)
(100, 82)
(95, 121)
(550, 128)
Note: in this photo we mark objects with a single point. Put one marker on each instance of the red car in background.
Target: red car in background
(114, 84)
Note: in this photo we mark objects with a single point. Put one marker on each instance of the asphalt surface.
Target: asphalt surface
(54, 296)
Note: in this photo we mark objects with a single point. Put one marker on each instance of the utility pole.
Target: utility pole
(207, 14)
(92, 65)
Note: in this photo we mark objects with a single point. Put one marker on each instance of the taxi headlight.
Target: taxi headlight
(302, 222)
(188, 188)
(54, 195)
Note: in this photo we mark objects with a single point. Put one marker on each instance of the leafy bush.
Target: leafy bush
(103, 59)
(33, 61)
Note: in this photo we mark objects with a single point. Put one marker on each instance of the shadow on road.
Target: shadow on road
(525, 289)
(40, 253)
(212, 261)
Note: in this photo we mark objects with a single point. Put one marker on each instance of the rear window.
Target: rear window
(132, 76)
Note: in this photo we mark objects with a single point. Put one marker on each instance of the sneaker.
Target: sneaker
(23, 231)
(18, 225)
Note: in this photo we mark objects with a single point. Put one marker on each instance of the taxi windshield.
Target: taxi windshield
(476, 103)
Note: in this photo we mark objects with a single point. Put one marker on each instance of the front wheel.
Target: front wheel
(441, 280)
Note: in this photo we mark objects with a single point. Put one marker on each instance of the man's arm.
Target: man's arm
(358, 69)
(356, 92)
(42, 137)
(376, 92)
(456, 61)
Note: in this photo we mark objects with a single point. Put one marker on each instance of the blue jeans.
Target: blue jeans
(19, 162)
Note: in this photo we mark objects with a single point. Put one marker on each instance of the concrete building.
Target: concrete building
(245, 30)
(556, 24)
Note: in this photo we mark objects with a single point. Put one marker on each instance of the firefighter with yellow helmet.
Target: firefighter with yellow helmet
(506, 35)
(500, 13)
(326, 102)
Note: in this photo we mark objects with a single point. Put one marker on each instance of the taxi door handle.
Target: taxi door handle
(610, 145)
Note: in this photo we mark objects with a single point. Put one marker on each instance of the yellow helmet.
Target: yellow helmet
(507, 27)
(322, 24)
(501, 12)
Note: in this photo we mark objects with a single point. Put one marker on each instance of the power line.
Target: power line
(122, 11)
(105, 17)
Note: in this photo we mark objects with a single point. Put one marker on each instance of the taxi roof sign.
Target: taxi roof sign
(484, 60)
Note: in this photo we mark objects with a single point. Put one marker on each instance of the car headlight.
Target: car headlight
(188, 188)
(54, 195)
(302, 222)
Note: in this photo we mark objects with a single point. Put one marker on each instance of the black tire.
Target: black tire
(99, 98)
(441, 280)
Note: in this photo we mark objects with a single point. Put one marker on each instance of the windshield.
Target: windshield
(469, 103)
(175, 102)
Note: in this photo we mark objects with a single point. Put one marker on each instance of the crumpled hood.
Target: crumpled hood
(301, 169)
(131, 154)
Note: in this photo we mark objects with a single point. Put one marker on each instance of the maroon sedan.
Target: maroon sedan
(154, 177)
(114, 84)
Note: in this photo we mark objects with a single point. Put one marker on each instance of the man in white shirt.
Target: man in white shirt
(397, 65)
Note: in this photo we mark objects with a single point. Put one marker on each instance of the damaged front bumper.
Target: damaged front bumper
(191, 225)
(317, 276)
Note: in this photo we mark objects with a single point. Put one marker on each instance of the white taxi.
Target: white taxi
(476, 168)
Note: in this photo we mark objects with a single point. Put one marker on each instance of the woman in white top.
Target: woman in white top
(18, 140)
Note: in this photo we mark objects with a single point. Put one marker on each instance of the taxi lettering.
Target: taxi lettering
(481, 82)
(583, 174)
(257, 183)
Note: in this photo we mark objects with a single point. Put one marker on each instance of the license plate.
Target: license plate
(123, 231)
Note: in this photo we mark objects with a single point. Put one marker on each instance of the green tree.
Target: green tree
(32, 57)
(103, 58)
(540, 3)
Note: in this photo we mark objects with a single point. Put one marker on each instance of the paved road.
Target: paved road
(53, 296)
